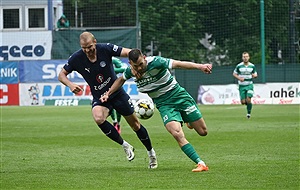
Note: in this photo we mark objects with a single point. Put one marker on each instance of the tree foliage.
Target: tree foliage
(234, 25)
(102, 13)
(177, 26)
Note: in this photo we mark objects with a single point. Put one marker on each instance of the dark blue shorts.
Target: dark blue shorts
(121, 102)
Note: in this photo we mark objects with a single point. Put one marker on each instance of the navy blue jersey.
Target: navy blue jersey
(99, 75)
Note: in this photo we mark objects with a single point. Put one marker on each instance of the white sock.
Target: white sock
(151, 152)
(125, 143)
(201, 162)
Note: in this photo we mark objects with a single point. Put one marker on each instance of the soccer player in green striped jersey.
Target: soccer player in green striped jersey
(244, 72)
(174, 103)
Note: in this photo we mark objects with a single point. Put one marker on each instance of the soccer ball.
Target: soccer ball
(144, 108)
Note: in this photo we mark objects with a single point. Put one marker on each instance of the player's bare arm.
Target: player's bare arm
(125, 52)
(62, 77)
(254, 75)
(206, 68)
(115, 86)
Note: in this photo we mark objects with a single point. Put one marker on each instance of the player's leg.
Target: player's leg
(143, 135)
(100, 113)
(191, 114)
(199, 126)
(140, 130)
(113, 116)
(172, 120)
(119, 116)
(249, 95)
(245, 100)
(118, 122)
(114, 120)
(125, 108)
(242, 92)
(175, 129)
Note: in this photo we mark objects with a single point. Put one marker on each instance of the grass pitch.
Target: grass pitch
(62, 148)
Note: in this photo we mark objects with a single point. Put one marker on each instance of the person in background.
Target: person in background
(119, 68)
(244, 72)
(63, 22)
(174, 103)
(94, 62)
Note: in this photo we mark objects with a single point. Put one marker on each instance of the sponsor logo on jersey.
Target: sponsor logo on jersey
(104, 84)
(102, 64)
(87, 69)
(99, 78)
(115, 48)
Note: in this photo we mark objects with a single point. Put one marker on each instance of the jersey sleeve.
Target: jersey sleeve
(162, 62)
(235, 70)
(127, 74)
(118, 65)
(254, 70)
(117, 62)
(171, 64)
(69, 65)
(114, 50)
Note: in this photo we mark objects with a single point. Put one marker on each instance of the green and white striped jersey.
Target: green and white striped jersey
(157, 80)
(245, 72)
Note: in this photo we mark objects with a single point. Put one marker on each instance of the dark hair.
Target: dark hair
(134, 55)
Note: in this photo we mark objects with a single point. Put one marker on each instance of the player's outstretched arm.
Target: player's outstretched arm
(125, 52)
(206, 68)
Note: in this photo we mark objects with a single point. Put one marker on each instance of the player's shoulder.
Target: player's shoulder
(102, 46)
(157, 59)
(251, 64)
(77, 55)
(150, 59)
(240, 64)
(108, 47)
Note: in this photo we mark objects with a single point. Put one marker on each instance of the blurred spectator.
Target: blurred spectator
(63, 22)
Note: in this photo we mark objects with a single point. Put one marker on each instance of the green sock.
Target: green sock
(249, 108)
(189, 150)
(118, 117)
(113, 115)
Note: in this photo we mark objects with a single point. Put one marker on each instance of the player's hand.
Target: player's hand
(136, 73)
(104, 97)
(207, 68)
(76, 89)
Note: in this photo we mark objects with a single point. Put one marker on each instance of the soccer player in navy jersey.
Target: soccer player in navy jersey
(94, 62)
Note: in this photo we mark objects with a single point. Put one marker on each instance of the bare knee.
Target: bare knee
(203, 132)
(248, 100)
(179, 137)
(99, 119)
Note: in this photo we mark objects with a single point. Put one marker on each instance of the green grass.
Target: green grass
(62, 148)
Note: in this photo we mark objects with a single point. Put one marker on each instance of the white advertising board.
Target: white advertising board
(59, 95)
(33, 45)
(269, 93)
